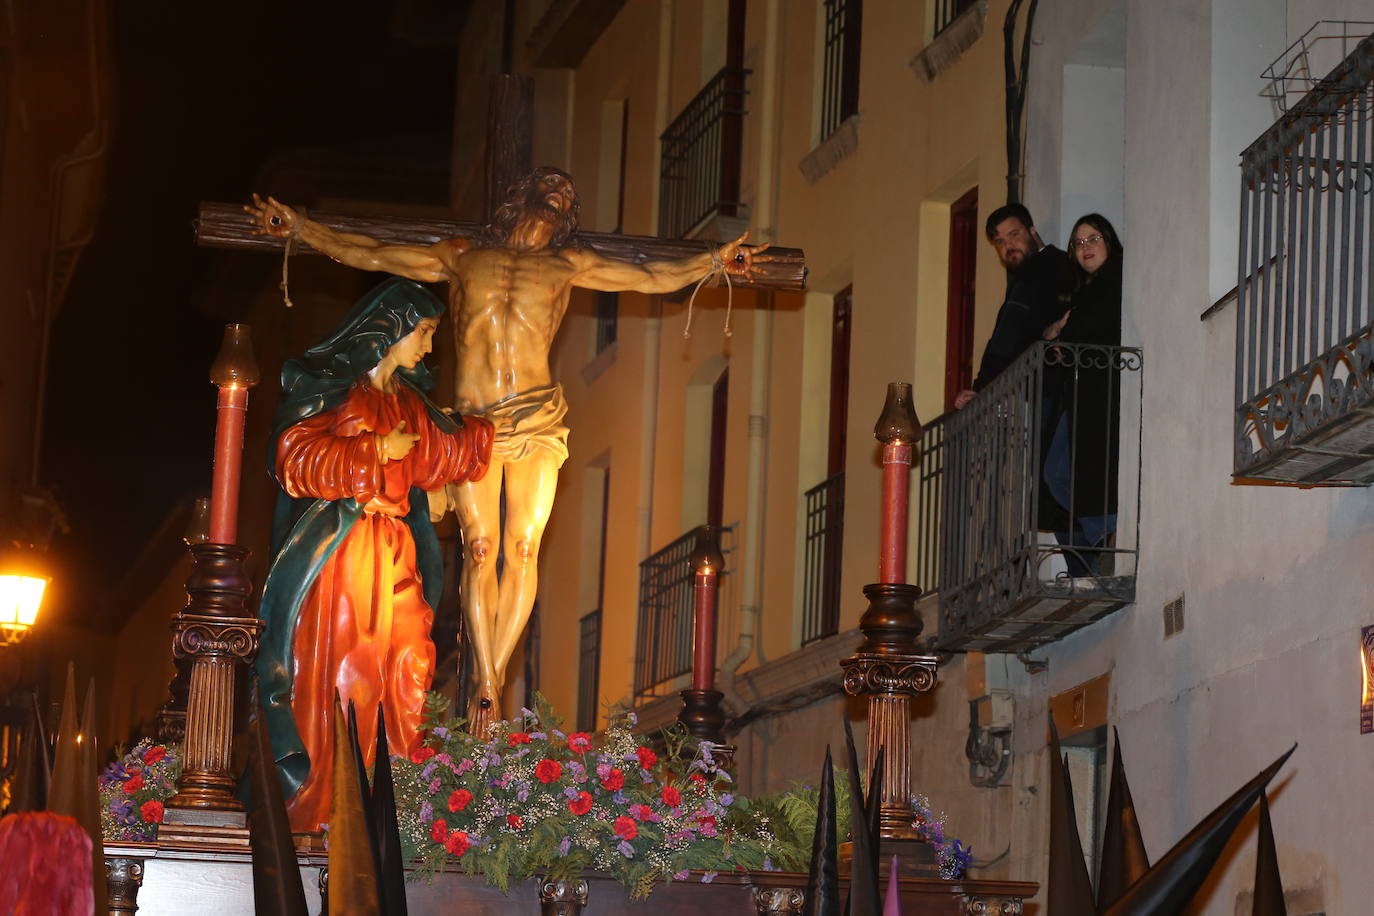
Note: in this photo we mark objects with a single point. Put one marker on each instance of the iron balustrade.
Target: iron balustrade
(824, 550)
(946, 11)
(840, 79)
(700, 170)
(588, 670)
(663, 643)
(1305, 294)
(987, 512)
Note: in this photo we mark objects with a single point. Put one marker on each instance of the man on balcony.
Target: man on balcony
(1039, 272)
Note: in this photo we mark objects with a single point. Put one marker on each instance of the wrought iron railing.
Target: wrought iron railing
(824, 549)
(1305, 295)
(946, 11)
(588, 670)
(1020, 497)
(840, 80)
(663, 642)
(700, 169)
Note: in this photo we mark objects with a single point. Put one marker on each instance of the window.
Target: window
(588, 670)
(839, 381)
(715, 490)
(946, 11)
(840, 86)
(607, 318)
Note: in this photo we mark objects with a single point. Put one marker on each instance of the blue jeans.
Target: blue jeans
(1088, 531)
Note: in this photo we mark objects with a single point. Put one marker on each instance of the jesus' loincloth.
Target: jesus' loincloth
(529, 421)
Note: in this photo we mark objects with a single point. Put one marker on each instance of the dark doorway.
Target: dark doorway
(839, 381)
(963, 267)
(715, 489)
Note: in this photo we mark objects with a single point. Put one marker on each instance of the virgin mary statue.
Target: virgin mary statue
(356, 446)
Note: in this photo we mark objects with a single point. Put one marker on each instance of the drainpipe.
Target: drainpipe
(763, 217)
(648, 437)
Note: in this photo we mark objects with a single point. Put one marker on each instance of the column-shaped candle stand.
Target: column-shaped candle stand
(888, 668)
(702, 714)
(215, 632)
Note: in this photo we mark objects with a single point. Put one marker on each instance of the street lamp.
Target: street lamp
(22, 584)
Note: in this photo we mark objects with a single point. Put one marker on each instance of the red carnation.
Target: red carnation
(134, 783)
(546, 771)
(152, 812)
(518, 738)
(582, 804)
(579, 742)
(154, 754)
(421, 754)
(458, 799)
(457, 843)
(698, 781)
(626, 828)
(614, 781)
(671, 796)
(515, 822)
(438, 831)
(647, 758)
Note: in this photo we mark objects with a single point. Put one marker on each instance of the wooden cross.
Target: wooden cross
(221, 225)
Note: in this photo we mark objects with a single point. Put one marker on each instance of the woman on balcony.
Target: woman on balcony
(1084, 384)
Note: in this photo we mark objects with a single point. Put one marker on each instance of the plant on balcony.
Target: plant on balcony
(133, 788)
(533, 800)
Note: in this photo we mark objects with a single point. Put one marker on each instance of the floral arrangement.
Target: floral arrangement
(133, 789)
(535, 800)
(952, 856)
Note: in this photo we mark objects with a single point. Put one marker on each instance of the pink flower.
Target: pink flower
(458, 799)
(647, 758)
(582, 804)
(152, 812)
(547, 771)
(579, 742)
(626, 828)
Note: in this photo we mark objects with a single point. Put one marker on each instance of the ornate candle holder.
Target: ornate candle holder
(888, 668)
(702, 714)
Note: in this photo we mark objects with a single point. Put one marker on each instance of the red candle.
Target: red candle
(898, 430)
(892, 537)
(234, 372)
(706, 561)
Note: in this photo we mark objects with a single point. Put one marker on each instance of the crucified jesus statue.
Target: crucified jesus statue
(508, 292)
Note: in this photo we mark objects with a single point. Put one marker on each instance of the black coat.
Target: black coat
(1032, 304)
(1088, 389)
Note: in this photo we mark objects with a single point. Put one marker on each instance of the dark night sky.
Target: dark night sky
(204, 96)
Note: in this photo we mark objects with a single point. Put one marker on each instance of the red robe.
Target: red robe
(363, 629)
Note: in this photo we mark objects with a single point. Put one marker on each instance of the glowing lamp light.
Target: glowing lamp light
(20, 598)
(234, 365)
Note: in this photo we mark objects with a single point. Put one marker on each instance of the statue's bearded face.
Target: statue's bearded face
(546, 194)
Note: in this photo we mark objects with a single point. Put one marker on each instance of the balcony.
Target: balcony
(699, 177)
(1305, 295)
(824, 551)
(663, 644)
(1034, 454)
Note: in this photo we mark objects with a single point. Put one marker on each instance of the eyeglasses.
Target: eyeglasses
(1086, 240)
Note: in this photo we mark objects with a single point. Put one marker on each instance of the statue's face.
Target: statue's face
(550, 198)
(415, 346)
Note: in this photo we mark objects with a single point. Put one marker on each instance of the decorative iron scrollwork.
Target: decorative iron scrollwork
(562, 896)
(769, 900)
(994, 906)
(869, 674)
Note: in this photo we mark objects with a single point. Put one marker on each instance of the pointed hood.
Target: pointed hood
(1124, 859)
(823, 881)
(1071, 890)
(364, 787)
(864, 896)
(277, 889)
(892, 903)
(1172, 882)
(33, 771)
(74, 777)
(352, 872)
(392, 872)
(1268, 883)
